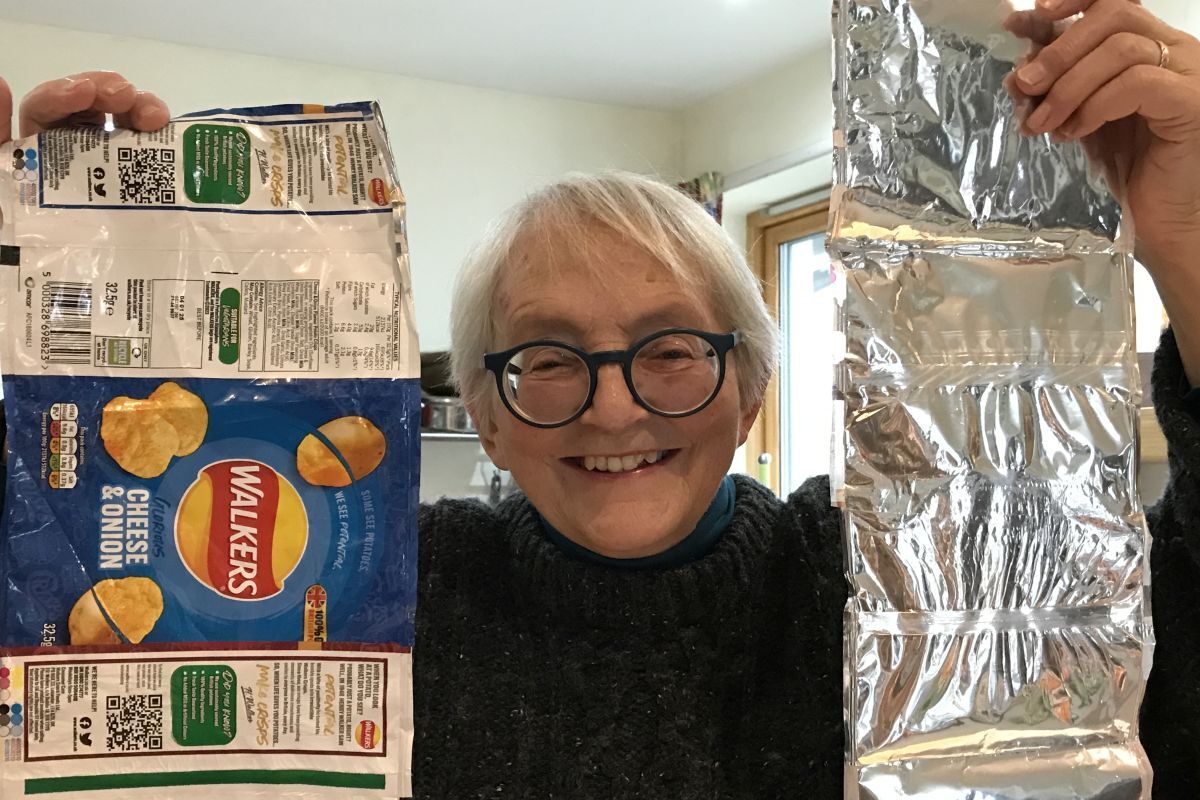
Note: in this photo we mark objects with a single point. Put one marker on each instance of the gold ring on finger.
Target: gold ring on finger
(1164, 54)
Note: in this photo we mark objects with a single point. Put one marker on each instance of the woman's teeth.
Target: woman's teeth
(621, 463)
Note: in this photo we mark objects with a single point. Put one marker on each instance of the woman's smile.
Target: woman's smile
(618, 466)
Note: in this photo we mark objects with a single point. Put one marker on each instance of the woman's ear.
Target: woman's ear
(485, 425)
(747, 422)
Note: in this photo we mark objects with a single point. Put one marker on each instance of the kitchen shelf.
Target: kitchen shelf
(448, 436)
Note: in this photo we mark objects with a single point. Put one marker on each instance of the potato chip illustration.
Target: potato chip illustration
(186, 412)
(132, 604)
(138, 437)
(357, 440)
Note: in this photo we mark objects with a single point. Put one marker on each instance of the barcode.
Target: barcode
(147, 176)
(67, 330)
(134, 722)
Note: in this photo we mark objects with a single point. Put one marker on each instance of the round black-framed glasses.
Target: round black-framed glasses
(674, 373)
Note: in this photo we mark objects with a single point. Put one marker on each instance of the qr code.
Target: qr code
(134, 722)
(147, 176)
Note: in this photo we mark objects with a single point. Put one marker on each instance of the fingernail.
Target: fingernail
(1038, 119)
(1032, 73)
(116, 89)
(1050, 5)
(73, 86)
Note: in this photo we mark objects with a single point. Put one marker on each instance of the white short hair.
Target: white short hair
(668, 225)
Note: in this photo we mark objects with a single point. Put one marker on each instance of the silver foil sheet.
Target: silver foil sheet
(998, 636)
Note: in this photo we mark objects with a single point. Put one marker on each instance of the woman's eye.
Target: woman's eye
(673, 350)
(549, 361)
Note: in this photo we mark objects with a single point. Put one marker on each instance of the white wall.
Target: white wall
(463, 154)
(773, 119)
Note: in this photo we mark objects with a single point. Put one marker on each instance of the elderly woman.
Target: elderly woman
(638, 624)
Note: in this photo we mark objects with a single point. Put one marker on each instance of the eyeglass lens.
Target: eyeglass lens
(674, 373)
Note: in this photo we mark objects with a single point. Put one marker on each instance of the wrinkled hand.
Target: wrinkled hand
(1128, 85)
(82, 99)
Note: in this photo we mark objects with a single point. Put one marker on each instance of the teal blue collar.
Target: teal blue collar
(699, 543)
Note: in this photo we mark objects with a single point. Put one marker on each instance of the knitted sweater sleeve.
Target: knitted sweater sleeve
(446, 530)
(426, 687)
(1175, 518)
(1171, 712)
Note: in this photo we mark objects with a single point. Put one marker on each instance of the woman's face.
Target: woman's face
(606, 297)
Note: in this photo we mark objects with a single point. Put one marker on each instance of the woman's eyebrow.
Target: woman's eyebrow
(534, 325)
(675, 315)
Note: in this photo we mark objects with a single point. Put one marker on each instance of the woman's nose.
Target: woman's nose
(613, 405)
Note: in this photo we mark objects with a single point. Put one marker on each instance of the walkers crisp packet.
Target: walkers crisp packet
(211, 385)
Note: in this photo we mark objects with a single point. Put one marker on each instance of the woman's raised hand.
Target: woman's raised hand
(1128, 85)
(82, 99)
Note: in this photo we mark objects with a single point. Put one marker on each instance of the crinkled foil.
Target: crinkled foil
(979, 496)
(998, 636)
(928, 145)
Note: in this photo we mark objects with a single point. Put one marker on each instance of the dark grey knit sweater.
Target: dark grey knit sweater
(539, 676)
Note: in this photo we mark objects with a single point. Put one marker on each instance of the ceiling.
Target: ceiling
(651, 53)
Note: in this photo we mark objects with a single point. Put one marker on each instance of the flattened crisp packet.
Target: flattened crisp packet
(209, 538)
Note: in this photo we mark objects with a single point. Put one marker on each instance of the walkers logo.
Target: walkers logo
(241, 529)
(366, 733)
(378, 192)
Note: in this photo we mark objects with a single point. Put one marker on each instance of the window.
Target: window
(788, 253)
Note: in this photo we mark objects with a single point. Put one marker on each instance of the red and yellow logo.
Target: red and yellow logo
(241, 529)
(366, 733)
(378, 192)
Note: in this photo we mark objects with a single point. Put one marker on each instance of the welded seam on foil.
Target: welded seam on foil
(921, 623)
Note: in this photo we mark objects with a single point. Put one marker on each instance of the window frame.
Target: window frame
(765, 234)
